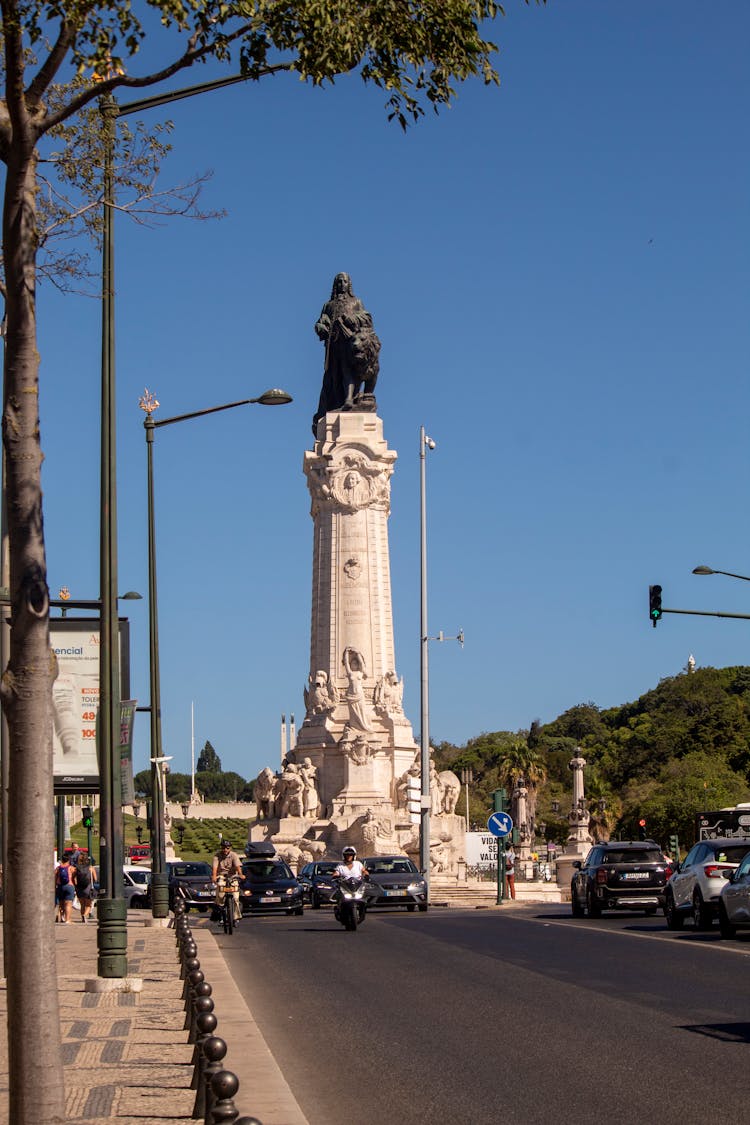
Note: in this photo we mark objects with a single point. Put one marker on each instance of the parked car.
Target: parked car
(396, 881)
(620, 875)
(269, 887)
(316, 882)
(136, 881)
(734, 900)
(190, 881)
(694, 889)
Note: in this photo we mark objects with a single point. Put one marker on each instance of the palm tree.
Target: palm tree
(519, 761)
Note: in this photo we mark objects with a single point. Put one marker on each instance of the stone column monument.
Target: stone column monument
(347, 778)
(579, 841)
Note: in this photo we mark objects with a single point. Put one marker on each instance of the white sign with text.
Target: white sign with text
(481, 849)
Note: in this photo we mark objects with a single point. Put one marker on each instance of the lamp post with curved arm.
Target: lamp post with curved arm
(148, 403)
(710, 570)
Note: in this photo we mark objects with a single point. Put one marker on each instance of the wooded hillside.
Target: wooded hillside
(677, 750)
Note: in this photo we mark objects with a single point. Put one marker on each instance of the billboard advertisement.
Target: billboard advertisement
(75, 699)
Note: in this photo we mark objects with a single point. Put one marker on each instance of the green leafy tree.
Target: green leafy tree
(142, 783)
(208, 760)
(58, 60)
(178, 786)
(684, 788)
(221, 786)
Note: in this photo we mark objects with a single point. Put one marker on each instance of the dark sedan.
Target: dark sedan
(396, 881)
(269, 887)
(620, 875)
(316, 880)
(191, 881)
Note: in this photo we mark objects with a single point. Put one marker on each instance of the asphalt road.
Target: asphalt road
(519, 1015)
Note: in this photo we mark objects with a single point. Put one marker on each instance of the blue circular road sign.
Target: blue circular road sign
(500, 824)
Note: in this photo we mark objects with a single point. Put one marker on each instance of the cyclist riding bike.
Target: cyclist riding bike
(226, 864)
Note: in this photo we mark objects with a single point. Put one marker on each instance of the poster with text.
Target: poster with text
(75, 700)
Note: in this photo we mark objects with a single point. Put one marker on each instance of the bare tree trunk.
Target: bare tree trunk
(36, 1076)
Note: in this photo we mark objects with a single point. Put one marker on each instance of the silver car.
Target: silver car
(734, 901)
(395, 881)
(693, 891)
(135, 885)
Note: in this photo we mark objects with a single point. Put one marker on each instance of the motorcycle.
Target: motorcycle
(350, 902)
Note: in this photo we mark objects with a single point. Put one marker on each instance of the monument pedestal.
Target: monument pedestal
(355, 744)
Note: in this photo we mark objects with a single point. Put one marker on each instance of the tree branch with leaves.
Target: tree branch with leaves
(59, 57)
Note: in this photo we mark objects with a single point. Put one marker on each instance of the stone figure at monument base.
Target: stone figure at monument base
(349, 777)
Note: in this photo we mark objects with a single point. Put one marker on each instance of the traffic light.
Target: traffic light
(642, 828)
(500, 802)
(88, 817)
(654, 604)
(674, 848)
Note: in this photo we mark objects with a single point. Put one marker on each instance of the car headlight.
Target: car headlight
(418, 886)
(290, 890)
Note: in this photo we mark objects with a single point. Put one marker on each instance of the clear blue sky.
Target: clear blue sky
(558, 272)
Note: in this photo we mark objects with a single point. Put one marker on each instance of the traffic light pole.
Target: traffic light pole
(707, 613)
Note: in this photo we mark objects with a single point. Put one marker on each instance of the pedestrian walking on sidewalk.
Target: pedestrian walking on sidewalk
(84, 882)
(65, 889)
(510, 871)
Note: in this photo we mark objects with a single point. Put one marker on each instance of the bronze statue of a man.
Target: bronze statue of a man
(352, 350)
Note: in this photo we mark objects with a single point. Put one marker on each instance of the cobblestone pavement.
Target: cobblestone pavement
(126, 1053)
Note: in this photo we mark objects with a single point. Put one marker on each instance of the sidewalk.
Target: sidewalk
(126, 1054)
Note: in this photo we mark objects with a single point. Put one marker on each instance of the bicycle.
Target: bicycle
(228, 901)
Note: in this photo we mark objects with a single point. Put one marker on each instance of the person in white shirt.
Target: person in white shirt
(351, 867)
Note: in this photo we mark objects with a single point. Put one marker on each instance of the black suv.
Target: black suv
(620, 875)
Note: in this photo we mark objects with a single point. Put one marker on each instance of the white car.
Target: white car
(734, 901)
(693, 891)
(136, 880)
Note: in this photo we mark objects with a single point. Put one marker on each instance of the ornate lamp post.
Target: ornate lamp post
(148, 403)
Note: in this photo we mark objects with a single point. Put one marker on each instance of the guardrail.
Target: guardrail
(215, 1088)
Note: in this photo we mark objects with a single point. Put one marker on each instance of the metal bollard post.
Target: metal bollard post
(214, 1051)
(188, 966)
(224, 1086)
(194, 977)
(202, 992)
(206, 1026)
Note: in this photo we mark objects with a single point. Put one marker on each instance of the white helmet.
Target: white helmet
(349, 851)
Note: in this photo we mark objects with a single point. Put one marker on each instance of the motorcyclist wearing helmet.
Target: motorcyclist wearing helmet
(351, 867)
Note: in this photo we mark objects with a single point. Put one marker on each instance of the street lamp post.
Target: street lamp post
(425, 443)
(467, 777)
(710, 570)
(111, 906)
(159, 877)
